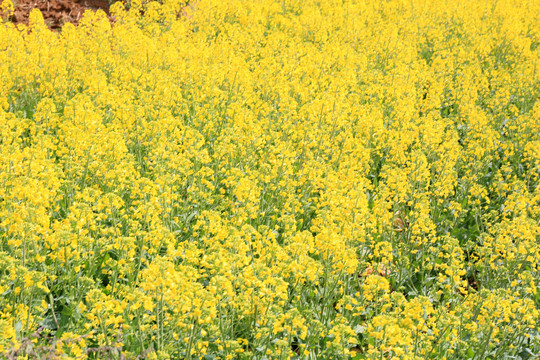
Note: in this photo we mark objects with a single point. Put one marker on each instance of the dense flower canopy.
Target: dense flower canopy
(293, 179)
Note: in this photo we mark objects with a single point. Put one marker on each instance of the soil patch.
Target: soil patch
(56, 12)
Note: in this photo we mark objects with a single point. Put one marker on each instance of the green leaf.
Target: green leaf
(49, 323)
(18, 326)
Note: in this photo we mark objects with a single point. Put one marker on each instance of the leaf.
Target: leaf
(18, 326)
(190, 217)
(49, 323)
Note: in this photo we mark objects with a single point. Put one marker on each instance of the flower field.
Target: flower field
(293, 179)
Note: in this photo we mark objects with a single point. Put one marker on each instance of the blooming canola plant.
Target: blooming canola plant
(294, 179)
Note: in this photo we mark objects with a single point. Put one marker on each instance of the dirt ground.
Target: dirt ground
(56, 12)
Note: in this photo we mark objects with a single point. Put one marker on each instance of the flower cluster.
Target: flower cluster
(290, 179)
